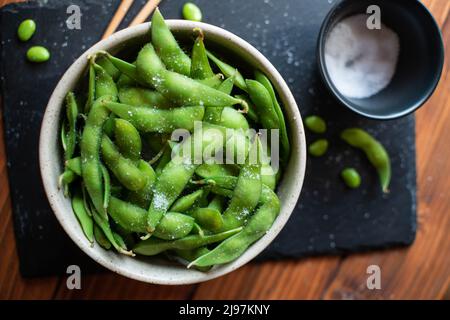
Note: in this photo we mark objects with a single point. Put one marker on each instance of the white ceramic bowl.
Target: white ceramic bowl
(157, 270)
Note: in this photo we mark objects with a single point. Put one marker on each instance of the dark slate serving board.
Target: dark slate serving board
(329, 218)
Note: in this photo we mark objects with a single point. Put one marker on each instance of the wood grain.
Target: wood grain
(421, 271)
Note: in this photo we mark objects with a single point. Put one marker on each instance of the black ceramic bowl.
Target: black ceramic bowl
(419, 64)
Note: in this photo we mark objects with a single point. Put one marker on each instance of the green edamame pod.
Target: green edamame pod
(85, 220)
(107, 186)
(91, 89)
(104, 225)
(122, 168)
(126, 68)
(108, 127)
(183, 204)
(141, 97)
(153, 246)
(217, 203)
(177, 87)
(188, 256)
(74, 164)
(71, 134)
(104, 84)
(200, 68)
(215, 169)
(247, 191)
(257, 226)
(170, 52)
(125, 81)
(158, 120)
(208, 218)
(264, 105)
(213, 115)
(65, 179)
(286, 148)
(101, 238)
(374, 151)
(109, 67)
(173, 226)
(229, 71)
(128, 139)
(132, 218)
(143, 197)
(163, 161)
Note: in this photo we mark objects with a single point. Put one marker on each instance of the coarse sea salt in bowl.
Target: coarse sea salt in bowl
(383, 73)
(154, 269)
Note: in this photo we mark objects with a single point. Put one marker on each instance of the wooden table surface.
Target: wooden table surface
(421, 271)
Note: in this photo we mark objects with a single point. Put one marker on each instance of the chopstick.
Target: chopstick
(118, 17)
(145, 12)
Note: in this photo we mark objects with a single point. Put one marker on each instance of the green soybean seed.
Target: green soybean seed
(351, 178)
(38, 54)
(316, 124)
(192, 12)
(318, 148)
(26, 30)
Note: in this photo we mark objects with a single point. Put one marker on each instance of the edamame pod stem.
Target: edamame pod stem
(200, 68)
(90, 152)
(71, 134)
(141, 97)
(264, 106)
(229, 71)
(251, 108)
(132, 218)
(153, 246)
(85, 220)
(122, 168)
(167, 47)
(374, 150)
(247, 191)
(177, 87)
(261, 78)
(158, 120)
(128, 139)
(257, 226)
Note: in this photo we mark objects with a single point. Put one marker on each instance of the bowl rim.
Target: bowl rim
(320, 51)
(48, 161)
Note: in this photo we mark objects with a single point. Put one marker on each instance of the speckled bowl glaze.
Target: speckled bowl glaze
(153, 269)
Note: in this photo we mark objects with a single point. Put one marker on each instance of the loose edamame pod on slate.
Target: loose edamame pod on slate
(26, 29)
(38, 54)
(158, 120)
(318, 148)
(142, 97)
(258, 225)
(351, 178)
(192, 12)
(153, 246)
(122, 168)
(127, 140)
(286, 148)
(85, 220)
(316, 124)
(177, 87)
(200, 68)
(374, 151)
(167, 47)
(228, 71)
